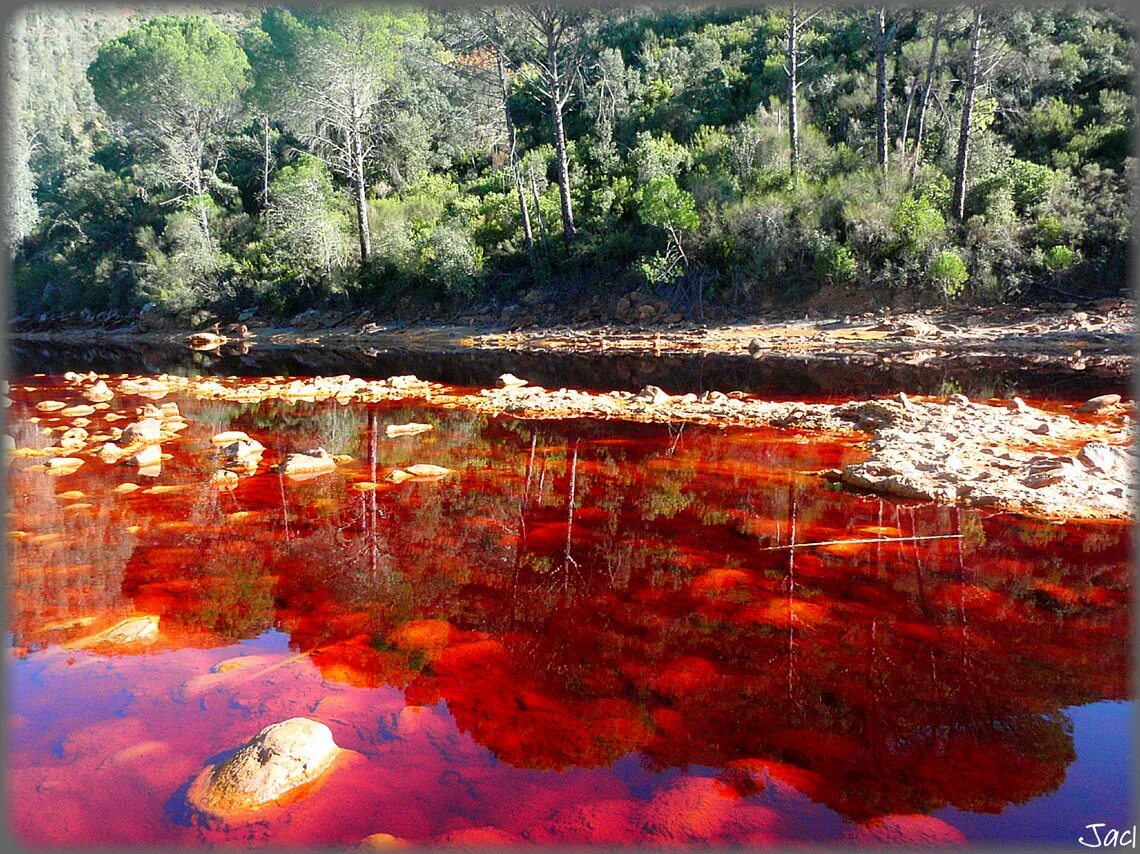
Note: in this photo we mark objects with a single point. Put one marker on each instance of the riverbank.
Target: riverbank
(1045, 351)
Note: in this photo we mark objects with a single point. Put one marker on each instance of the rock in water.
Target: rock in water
(406, 429)
(132, 630)
(74, 438)
(150, 455)
(1096, 404)
(229, 437)
(147, 430)
(205, 341)
(99, 392)
(313, 463)
(241, 451)
(427, 470)
(63, 465)
(276, 761)
(224, 479)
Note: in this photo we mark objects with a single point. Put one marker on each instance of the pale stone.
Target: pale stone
(313, 463)
(132, 630)
(63, 465)
(406, 429)
(279, 759)
(427, 470)
(146, 430)
(229, 437)
(99, 392)
(150, 455)
(1096, 404)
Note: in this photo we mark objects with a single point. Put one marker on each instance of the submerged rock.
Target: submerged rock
(278, 760)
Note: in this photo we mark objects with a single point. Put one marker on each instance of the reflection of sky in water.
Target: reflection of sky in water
(1097, 787)
(625, 669)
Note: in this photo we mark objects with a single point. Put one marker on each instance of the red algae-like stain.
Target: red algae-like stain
(581, 636)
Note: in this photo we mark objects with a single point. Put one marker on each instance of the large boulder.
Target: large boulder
(265, 770)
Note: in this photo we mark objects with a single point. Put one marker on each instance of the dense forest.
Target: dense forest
(214, 159)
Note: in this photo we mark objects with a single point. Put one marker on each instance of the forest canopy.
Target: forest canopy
(283, 158)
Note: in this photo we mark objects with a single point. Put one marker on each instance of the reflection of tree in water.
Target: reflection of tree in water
(64, 564)
(605, 590)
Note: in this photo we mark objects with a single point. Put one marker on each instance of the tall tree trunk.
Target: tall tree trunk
(538, 216)
(909, 108)
(516, 170)
(881, 90)
(557, 104)
(563, 170)
(793, 86)
(967, 116)
(265, 160)
(922, 105)
(203, 219)
(356, 149)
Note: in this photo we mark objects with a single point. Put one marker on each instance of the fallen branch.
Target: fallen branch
(875, 540)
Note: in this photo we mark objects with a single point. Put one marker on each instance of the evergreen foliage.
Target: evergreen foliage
(286, 158)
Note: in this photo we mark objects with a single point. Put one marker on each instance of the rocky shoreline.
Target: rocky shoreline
(1077, 462)
(1063, 338)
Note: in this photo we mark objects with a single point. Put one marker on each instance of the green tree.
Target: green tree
(666, 206)
(305, 218)
(343, 66)
(176, 85)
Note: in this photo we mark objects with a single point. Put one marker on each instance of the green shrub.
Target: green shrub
(1059, 258)
(949, 272)
(1030, 183)
(917, 223)
(832, 261)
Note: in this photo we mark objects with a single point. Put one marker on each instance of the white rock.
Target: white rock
(280, 758)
